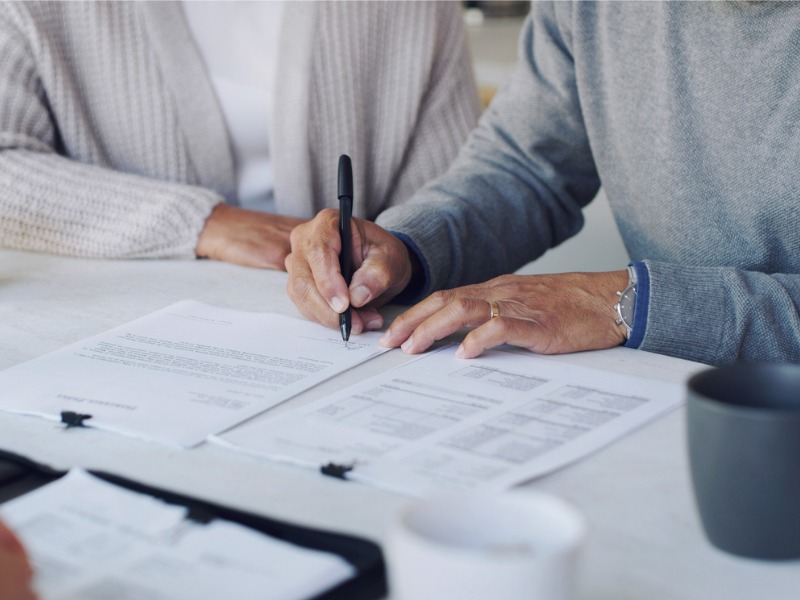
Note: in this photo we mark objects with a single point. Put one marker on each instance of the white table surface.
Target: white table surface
(645, 540)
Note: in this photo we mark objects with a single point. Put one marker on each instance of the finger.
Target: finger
(10, 542)
(402, 327)
(370, 281)
(372, 319)
(319, 246)
(15, 569)
(302, 290)
(503, 330)
(459, 313)
(384, 268)
(14, 565)
(364, 319)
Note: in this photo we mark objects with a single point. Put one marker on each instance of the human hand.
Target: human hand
(246, 237)
(547, 314)
(15, 570)
(382, 269)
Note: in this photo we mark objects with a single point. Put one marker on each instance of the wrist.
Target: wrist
(206, 241)
(417, 287)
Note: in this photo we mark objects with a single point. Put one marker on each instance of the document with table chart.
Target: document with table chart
(442, 422)
(88, 539)
(183, 372)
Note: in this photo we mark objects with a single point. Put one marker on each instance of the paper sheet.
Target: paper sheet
(91, 540)
(183, 372)
(442, 422)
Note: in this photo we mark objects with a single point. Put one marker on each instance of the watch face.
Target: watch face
(627, 302)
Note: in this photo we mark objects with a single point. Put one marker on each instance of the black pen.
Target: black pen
(345, 258)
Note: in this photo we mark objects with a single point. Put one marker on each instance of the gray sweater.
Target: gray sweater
(688, 114)
(112, 143)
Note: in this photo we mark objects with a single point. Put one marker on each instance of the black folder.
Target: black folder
(19, 475)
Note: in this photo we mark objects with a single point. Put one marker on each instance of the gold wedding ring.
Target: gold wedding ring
(494, 310)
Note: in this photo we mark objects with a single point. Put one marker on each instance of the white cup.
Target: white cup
(519, 545)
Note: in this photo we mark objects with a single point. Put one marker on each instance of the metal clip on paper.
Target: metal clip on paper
(334, 470)
(73, 419)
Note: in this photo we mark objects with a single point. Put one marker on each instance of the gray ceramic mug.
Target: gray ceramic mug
(744, 453)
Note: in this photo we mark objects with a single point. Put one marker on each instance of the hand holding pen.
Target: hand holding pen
(380, 266)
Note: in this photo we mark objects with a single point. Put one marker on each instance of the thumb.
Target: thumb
(383, 274)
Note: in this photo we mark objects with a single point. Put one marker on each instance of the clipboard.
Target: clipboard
(19, 475)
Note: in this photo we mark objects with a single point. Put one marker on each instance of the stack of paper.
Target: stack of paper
(443, 422)
(182, 373)
(89, 539)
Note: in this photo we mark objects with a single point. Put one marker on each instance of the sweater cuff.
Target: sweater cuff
(641, 307)
(420, 282)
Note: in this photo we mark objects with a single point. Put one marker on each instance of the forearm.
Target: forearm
(485, 217)
(49, 203)
(518, 185)
(718, 315)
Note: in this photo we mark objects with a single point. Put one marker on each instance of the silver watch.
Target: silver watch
(627, 303)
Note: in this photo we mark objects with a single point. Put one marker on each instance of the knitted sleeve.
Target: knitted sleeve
(450, 109)
(52, 203)
(390, 84)
(518, 185)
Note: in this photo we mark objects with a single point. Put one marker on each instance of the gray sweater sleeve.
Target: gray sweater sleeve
(518, 185)
(717, 315)
(50, 203)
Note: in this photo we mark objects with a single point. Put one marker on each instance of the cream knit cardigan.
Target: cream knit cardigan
(112, 143)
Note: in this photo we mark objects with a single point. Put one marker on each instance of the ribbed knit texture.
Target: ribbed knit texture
(112, 143)
(416, 52)
(689, 115)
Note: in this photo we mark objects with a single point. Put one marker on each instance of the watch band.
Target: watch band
(631, 275)
(627, 303)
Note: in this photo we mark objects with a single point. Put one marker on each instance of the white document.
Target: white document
(442, 422)
(183, 372)
(91, 540)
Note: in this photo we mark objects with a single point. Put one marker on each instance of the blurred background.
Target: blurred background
(493, 28)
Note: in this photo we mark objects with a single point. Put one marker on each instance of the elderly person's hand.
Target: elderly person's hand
(246, 237)
(15, 571)
(547, 314)
(382, 269)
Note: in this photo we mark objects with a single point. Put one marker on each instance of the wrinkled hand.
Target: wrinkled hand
(15, 571)
(547, 314)
(381, 263)
(246, 237)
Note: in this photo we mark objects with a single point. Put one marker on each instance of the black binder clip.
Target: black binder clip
(73, 419)
(334, 470)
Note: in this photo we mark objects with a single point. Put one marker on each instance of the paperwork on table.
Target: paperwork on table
(442, 422)
(183, 372)
(90, 539)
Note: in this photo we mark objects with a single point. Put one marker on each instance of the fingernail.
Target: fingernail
(460, 351)
(359, 296)
(406, 346)
(385, 339)
(7, 540)
(375, 324)
(338, 305)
